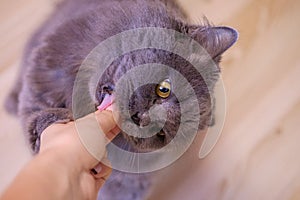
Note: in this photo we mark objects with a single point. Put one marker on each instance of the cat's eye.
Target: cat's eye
(163, 89)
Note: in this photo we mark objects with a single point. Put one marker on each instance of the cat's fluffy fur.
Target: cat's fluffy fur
(43, 93)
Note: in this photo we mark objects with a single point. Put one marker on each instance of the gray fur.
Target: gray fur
(43, 92)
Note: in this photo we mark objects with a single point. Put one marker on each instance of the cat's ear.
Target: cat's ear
(216, 40)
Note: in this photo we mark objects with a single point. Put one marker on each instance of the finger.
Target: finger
(99, 184)
(105, 120)
(102, 171)
(92, 136)
(107, 123)
(112, 134)
(102, 176)
(116, 130)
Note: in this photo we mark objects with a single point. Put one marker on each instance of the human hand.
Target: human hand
(60, 144)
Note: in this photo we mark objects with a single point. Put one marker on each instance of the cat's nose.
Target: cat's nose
(141, 119)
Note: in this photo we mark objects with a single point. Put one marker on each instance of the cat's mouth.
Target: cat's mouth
(106, 102)
(160, 138)
(145, 145)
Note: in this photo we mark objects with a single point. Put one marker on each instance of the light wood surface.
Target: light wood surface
(257, 156)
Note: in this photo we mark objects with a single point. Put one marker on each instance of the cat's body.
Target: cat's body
(43, 93)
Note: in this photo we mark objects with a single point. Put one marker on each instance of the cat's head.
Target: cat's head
(154, 106)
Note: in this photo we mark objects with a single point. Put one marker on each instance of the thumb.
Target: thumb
(107, 123)
(95, 131)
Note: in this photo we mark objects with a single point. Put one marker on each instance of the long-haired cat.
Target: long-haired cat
(43, 92)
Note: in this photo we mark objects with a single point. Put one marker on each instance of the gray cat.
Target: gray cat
(43, 92)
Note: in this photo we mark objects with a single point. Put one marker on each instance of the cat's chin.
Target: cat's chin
(145, 145)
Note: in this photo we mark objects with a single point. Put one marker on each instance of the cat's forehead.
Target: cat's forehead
(151, 57)
(145, 74)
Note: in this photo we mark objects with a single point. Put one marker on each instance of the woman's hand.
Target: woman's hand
(64, 168)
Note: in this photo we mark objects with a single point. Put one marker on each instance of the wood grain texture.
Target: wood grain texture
(257, 156)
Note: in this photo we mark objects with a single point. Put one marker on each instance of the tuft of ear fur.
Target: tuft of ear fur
(216, 40)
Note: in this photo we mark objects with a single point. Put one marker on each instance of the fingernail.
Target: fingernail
(98, 168)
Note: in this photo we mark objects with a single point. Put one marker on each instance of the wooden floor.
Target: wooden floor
(257, 156)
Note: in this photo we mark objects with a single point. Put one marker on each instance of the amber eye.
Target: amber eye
(164, 89)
